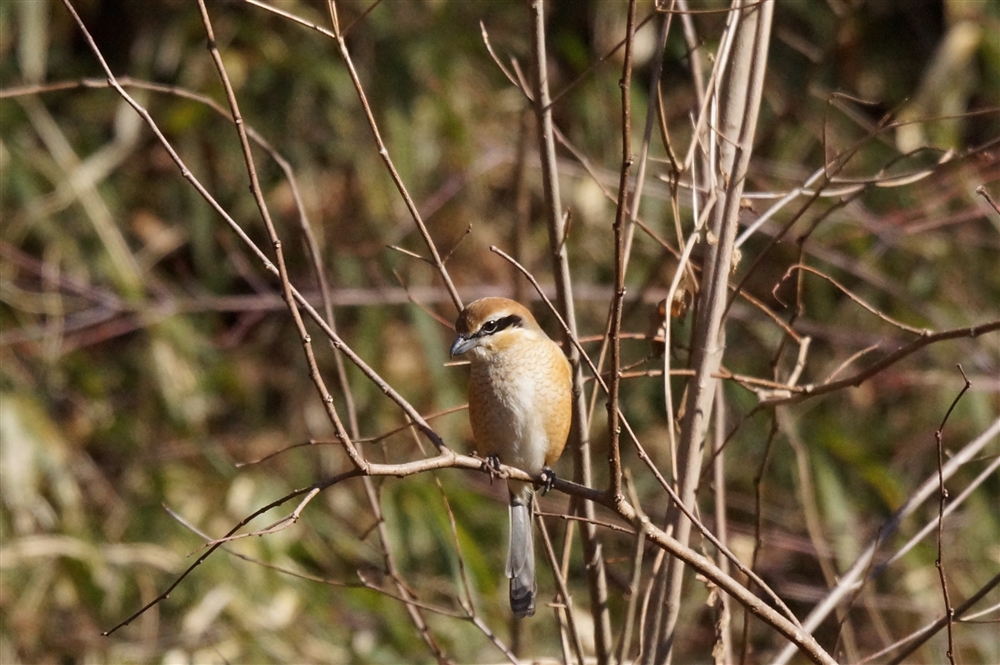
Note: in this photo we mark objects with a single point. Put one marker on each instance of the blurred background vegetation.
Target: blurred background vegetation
(145, 353)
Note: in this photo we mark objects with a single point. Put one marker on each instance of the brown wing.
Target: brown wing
(559, 394)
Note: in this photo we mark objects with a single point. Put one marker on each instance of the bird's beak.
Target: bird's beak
(461, 345)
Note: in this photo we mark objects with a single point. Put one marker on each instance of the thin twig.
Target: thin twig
(917, 638)
(211, 549)
(856, 575)
(981, 190)
(600, 61)
(383, 152)
(942, 502)
(467, 602)
(984, 476)
(567, 599)
(847, 292)
(802, 393)
(621, 211)
(496, 60)
(635, 583)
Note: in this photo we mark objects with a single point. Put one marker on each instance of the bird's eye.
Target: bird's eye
(490, 327)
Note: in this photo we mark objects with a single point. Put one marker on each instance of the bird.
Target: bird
(520, 408)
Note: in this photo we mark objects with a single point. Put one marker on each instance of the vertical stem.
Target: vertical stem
(522, 205)
(739, 95)
(596, 578)
(614, 385)
(651, 113)
(724, 631)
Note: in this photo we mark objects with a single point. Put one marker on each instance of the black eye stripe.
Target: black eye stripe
(494, 326)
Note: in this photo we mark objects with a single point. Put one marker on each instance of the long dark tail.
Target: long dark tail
(521, 554)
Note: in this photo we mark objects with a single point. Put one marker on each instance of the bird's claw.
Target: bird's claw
(547, 479)
(491, 465)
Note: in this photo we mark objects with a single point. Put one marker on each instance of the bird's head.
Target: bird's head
(491, 325)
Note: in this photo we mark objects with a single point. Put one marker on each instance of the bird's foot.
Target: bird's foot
(491, 465)
(547, 478)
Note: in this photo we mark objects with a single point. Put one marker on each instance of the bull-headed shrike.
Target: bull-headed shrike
(520, 406)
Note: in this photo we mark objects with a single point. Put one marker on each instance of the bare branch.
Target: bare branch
(856, 574)
(596, 576)
(383, 152)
